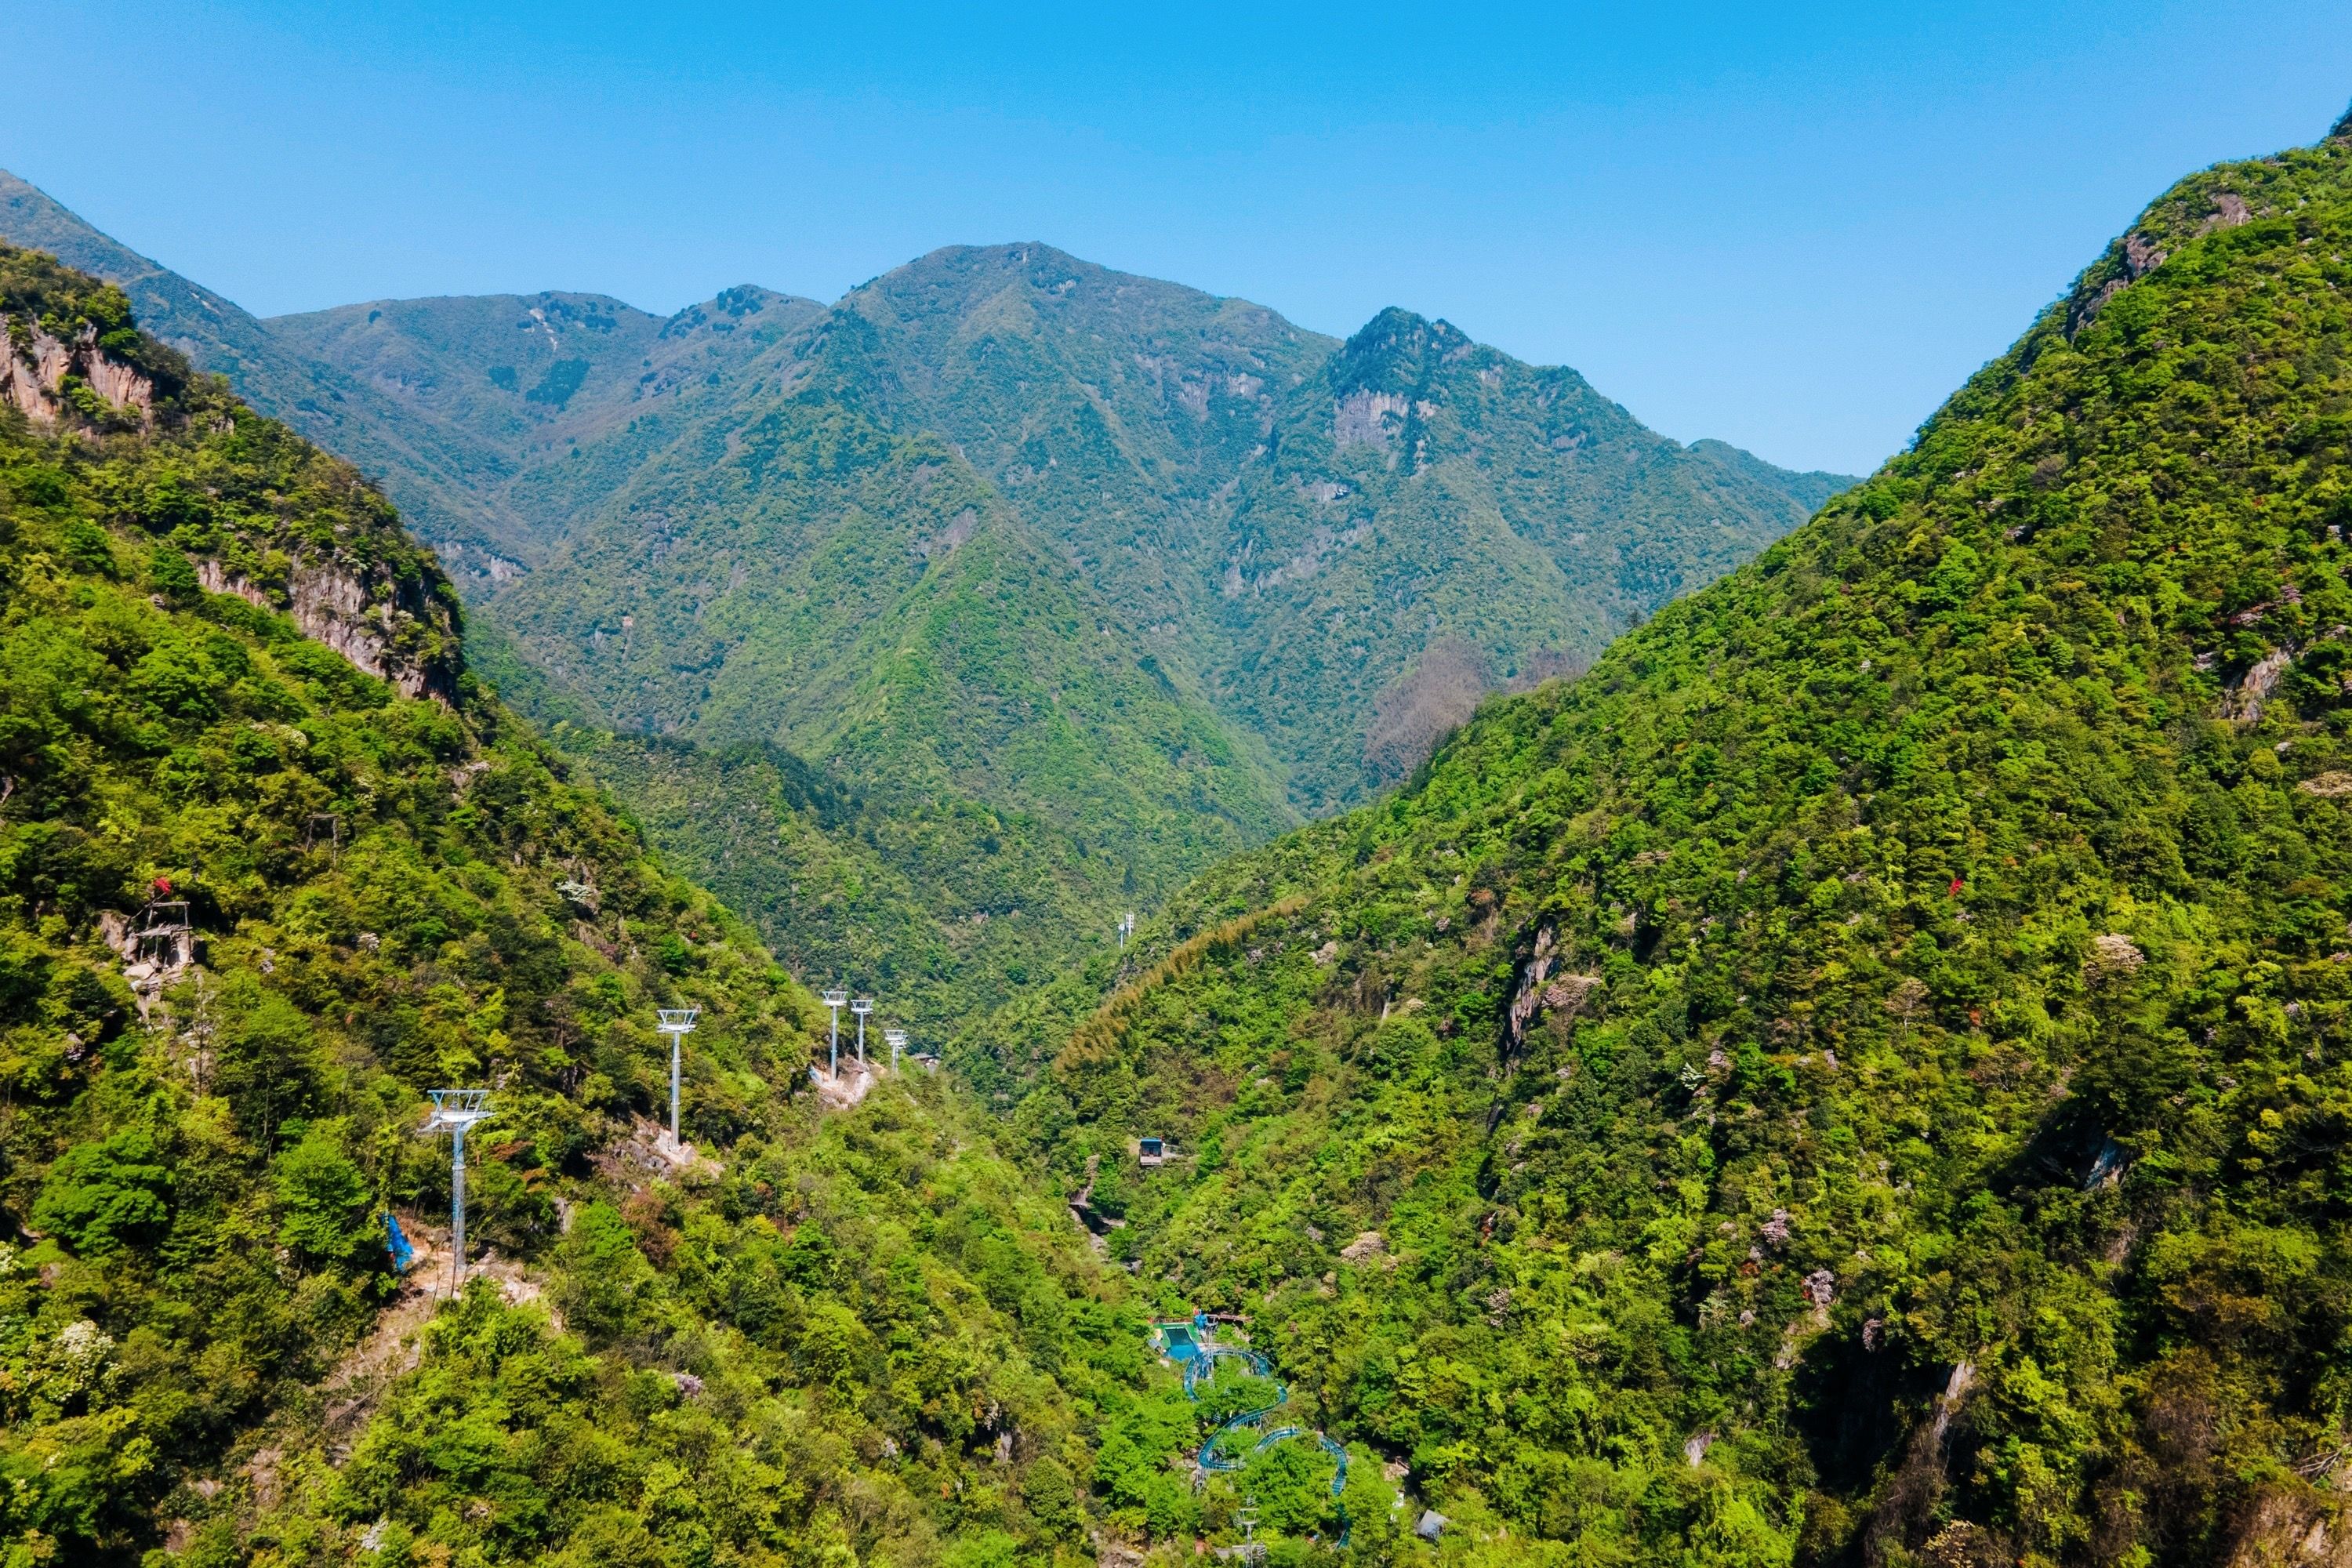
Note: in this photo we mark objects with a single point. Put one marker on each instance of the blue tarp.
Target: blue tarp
(403, 1255)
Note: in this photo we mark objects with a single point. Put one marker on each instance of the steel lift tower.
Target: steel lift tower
(454, 1111)
(834, 1000)
(677, 1022)
(862, 1006)
(897, 1042)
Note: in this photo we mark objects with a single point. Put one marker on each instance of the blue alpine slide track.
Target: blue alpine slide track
(1222, 1452)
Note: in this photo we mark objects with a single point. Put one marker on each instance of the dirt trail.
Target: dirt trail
(359, 1380)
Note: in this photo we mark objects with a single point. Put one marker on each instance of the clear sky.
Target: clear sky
(1792, 227)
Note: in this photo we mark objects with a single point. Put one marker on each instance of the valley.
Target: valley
(1678, 1012)
(1233, 573)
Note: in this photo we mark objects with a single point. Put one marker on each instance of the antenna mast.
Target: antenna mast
(454, 1111)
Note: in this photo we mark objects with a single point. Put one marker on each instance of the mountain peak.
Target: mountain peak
(964, 266)
(1395, 326)
(1398, 349)
(2342, 130)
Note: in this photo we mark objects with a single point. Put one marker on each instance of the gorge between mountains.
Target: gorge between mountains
(1478, 984)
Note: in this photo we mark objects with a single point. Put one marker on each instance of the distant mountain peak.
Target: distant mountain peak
(961, 279)
(1398, 350)
(1395, 321)
(732, 306)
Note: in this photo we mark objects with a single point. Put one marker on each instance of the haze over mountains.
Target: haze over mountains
(1103, 575)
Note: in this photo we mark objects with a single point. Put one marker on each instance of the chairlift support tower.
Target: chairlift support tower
(897, 1040)
(862, 1006)
(455, 1110)
(331, 824)
(166, 936)
(677, 1022)
(835, 1000)
(1126, 930)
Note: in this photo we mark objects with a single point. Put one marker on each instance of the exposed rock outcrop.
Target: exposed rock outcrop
(1361, 417)
(371, 619)
(2246, 701)
(39, 364)
(2135, 256)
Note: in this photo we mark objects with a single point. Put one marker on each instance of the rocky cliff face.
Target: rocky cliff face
(74, 364)
(389, 626)
(49, 378)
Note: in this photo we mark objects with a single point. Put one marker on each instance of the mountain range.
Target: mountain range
(1296, 522)
(1075, 580)
(1861, 1075)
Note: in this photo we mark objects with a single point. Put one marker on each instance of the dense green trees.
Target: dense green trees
(1856, 1076)
(857, 1335)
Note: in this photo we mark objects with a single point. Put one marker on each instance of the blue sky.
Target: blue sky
(1794, 227)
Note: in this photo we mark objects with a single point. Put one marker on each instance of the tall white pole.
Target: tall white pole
(457, 1208)
(862, 1006)
(677, 1022)
(454, 1111)
(833, 1000)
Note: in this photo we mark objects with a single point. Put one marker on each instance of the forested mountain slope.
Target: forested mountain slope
(1432, 518)
(1337, 547)
(429, 469)
(1861, 1075)
(232, 714)
(1083, 463)
(862, 600)
(1221, 590)
(533, 377)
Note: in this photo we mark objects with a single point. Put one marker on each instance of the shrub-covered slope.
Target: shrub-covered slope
(428, 467)
(850, 1334)
(865, 599)
(947, 908)
(1863, 1074)
(1428, 520)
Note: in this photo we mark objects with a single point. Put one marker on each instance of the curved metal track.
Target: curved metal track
(1217, 1459)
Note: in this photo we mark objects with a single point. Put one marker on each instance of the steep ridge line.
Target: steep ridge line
(1822, 1085)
